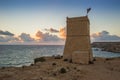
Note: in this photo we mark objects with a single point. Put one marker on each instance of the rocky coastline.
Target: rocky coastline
(51, 68)
(107, 46)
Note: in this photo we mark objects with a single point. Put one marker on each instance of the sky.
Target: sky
(44, 21)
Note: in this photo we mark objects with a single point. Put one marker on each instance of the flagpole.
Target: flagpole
(86, 14)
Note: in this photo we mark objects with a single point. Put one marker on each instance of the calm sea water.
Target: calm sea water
(19, 55)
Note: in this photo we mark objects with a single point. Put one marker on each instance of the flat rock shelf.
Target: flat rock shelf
(58, 69)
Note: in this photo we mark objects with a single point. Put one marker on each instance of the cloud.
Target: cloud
(41, 38)
(39, 34)
(62, 33)
(6, 33)
(47, 37)
(52, 30)
(26, 37)
(8, 39)
(13, 40)
(3, 39)
(50, 37)
(104, 36)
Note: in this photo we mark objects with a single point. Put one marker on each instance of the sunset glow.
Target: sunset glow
(40, 21)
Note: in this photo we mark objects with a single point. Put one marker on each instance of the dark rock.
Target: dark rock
(70, 61)
(41, 59)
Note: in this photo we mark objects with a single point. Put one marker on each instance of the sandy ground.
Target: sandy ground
(102, 69)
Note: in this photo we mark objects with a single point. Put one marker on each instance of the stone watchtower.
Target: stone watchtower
(77, 47)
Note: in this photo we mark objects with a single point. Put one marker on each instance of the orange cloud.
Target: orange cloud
(39, 35)
(62, 33)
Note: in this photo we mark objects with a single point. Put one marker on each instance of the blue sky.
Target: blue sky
(29, 16)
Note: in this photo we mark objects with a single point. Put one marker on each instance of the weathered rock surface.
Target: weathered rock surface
(50, 69)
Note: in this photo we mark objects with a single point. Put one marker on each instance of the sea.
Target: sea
(24, 55)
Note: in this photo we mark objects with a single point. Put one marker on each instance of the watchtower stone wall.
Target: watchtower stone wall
(77, 46)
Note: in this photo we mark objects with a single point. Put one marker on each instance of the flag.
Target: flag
(88, 10)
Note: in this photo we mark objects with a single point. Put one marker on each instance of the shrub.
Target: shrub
(67, 67)
(75, 68)
(62, 70)
(61, 56)
(70, 61)
(78, 70)
(65, 59)
(58, 57)
(91, 62)
(108, 58)
(24, 66)
(32, 65)
(94, 59)
(41, 59)
(53, 64)
(3, 68)
(54, 74)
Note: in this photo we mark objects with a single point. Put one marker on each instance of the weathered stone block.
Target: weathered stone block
(80, 57)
